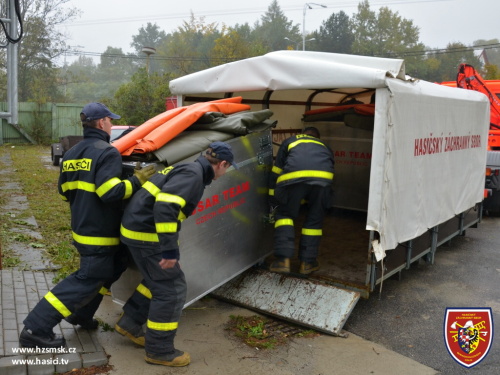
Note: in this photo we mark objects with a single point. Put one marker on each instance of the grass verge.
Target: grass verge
(52, 214)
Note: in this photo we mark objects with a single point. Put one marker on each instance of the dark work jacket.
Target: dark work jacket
(302, 159)
(90, 180)
(152, 218)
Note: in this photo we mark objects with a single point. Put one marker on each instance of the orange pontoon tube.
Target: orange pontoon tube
(156, 132)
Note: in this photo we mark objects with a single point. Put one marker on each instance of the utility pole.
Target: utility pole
(306, 6)
(12, 37)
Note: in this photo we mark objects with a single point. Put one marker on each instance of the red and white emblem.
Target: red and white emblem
(468, 334)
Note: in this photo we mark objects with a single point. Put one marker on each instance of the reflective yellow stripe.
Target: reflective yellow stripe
(144, 291)
(139, 236)
(103, 291)
(128, 189)
(181, 216)
(276, 170)
(170, 198)
(307, 174)
(282, 222)
(107, 186)
(151, 188)
(312, 232)
(96, 241)
(162, 326)
(80, 185)
(293, 144)
(166, 227)
(57, 304)
(271, 192)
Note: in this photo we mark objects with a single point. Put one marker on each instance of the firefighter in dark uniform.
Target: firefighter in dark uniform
(90, 180)
(303, 170)
(150, 228)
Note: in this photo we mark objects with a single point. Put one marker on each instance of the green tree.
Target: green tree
(334, 35)
(387, 34)
(142, 98)
(449, 60)
(231, 46)
(275, 27)
(78, 79)
(189, 48)
(42, 43)
(151, 36)
(114, 69)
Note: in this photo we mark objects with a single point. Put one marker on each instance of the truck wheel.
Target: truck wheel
(55, 159)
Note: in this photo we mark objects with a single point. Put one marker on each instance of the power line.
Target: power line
(220, 13)
(178, 58)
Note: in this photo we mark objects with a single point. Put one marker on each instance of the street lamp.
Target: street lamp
(148, 51)
(307, 5)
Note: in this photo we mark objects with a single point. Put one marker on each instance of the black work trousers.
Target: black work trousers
(83, 289)
(290, 197)
(158, 301)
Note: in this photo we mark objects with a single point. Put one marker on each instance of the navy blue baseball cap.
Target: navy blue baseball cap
(97, 111)
(222, 151)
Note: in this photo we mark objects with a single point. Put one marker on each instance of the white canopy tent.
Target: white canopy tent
(429, 141)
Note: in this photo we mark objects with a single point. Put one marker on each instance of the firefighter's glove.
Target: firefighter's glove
(143, 174)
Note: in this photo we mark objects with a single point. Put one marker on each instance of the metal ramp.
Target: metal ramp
(298, 300)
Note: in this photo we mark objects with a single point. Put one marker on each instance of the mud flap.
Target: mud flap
(309, 303)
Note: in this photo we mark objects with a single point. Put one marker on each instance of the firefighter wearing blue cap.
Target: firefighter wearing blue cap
(150, 228)
(90, 180)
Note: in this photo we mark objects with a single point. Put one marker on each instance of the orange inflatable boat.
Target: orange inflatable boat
(156, 132)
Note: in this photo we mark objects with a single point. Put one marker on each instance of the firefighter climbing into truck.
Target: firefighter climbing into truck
(468, 78)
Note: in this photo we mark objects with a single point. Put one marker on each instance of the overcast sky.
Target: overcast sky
(112, 23)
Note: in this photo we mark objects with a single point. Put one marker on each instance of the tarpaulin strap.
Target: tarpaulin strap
(57, 304)
(162, 326)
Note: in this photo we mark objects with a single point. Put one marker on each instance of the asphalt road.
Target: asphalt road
(408, 316)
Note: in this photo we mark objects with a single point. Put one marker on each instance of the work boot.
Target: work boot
(175, 359)
(127, 327)
(28, 339)
(84, 323)
(281, 265)
(307, 267)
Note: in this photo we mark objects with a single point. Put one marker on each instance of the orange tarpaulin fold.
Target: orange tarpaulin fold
(162, 128)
